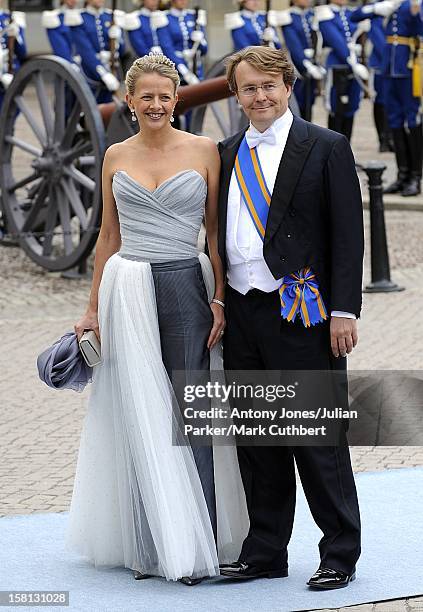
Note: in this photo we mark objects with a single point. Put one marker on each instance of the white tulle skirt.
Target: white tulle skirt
(137, 499)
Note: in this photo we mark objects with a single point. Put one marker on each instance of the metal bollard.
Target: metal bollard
(380, 272)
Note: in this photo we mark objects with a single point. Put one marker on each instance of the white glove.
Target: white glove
(6, 79)
(364, 26)
(188, 54)
(197, 36)
(4, 59)
(385, 8)
(312, 70)
(109, 79)
(190, 78)
(323, 71)
(360, 71)
(115, 32)
(104, 57)
(13, 30)
(268, 35)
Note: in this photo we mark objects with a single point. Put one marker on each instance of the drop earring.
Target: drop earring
(172, 119)
(134, 118)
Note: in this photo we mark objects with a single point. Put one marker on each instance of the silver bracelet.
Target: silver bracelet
(215, 301)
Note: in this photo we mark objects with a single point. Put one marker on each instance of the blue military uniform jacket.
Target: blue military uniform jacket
(90, 29)
(297, 26)
(401, 22)
(377, 38)
(59, 33)
(247, 28)
(175, 37)
(142, 30)
(337, 30)
(20, 46)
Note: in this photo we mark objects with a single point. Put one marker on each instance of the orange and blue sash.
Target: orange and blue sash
(299, 291)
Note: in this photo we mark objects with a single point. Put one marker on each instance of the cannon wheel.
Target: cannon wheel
(53, 141)
(227, 113)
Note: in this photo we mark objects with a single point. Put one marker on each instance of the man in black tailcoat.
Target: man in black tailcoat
(314, 220)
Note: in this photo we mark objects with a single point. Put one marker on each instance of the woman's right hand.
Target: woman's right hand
(88, 321)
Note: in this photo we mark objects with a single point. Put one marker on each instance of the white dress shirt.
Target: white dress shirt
(247, 268)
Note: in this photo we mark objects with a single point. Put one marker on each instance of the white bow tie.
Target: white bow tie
(254, 137)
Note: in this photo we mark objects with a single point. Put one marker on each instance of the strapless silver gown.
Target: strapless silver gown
(137, 499)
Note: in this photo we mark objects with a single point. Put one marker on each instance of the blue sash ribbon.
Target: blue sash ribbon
(299, 291)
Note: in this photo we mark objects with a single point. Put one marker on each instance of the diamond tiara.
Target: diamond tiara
(161, 59)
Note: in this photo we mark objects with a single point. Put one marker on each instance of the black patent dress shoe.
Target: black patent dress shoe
(139, 576)
(327, 578)
(412, 187)
(245, 571)
(189, 581)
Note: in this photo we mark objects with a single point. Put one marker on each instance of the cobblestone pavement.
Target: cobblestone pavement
(40, 428)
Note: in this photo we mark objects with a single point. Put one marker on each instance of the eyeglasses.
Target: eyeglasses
(251, 90)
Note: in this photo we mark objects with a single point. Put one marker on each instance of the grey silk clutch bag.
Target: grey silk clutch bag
(90, 348)
(62, 366)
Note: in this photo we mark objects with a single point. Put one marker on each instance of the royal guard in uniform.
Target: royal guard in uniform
(376, 35)
(299, 37)
(182, 38)
(12, 28)
(58, 31)
(97, 35)
(347, 76)
(403, 29)
(142, 25)
(250, 26)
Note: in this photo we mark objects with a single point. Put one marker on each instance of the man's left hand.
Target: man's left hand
(343, 335)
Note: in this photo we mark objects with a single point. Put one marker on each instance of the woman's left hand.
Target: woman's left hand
(218, 325)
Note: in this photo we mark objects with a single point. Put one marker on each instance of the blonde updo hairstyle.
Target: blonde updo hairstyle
(153, 62)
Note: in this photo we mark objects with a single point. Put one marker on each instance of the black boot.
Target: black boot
(383, 132)
(403, 161)
(341, 124)
(415, 146)
(347, 126)
(331, 121)
(413, 186)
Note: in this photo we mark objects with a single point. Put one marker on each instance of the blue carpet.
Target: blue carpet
(391, 565)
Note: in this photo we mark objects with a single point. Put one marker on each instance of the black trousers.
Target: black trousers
(257, 338)
(185, 320)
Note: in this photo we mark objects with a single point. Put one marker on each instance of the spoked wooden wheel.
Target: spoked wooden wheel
(52, 141)
(222, 118)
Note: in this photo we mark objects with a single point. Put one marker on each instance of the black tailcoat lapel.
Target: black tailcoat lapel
(295, 154)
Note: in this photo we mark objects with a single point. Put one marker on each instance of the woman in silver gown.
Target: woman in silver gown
(140, 501)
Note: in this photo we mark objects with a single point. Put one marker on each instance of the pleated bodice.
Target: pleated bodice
(160, 225)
